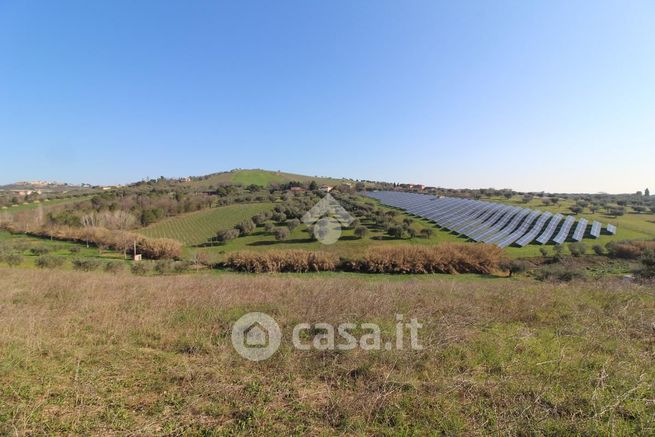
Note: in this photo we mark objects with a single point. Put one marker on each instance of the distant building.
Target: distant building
(325, 188)
(297, 189)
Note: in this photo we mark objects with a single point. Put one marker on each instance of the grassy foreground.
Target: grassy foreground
(103, 354)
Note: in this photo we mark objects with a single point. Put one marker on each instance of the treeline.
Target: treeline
(446, 258)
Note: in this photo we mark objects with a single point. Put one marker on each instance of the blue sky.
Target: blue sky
(555, 96)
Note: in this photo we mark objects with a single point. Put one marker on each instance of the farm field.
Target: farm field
(198, 227)
(44, 204)
(90, 353)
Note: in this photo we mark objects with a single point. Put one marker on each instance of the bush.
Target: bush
(281, 233)
(648, 264)
(298, 261)
(12, 259)
(49, 262)
(598, 249)
(445, 258)
(514, 266)
(360, 231)
(543, 251)
(577, 249)
(246, 227)
(559, 273)
(182, 266)
(426, 232)
(227, 235)
(163, 266)
(269, 227)
(114, 267)
(74, 249)
(293, 224)
(40, 250)
(160, 248)
(141, 268)
(396, 231)
(629, 249)
(86, 264)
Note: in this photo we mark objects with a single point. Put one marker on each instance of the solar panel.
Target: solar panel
(564, 231)
(550, 229)
(521, 230)
(595, 229)
(491, 222)
(580, 230)
(516, 221)
(611, 229)
(476, 218)
(503, 219)
(480, 219)
(532, 234)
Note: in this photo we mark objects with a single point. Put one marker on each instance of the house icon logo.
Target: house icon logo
(256, 336)
(327, 218)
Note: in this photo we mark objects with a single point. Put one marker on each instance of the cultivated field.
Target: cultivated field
(198, 227)
(95, 353)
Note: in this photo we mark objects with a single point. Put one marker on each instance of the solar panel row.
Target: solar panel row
(595, 229)
(490, 222)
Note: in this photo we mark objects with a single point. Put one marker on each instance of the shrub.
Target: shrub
(293, 224)
(543, 251)
(559, 273)
(182, 266)
(577, 249)
(396, 231)
(298, 261)
(49, 262)
(246, 227)
(598, 249)
(160, 248)
(74, 249)
(426, 232)
(648, 264)
(445, 258)
(114, 267)
(227, 235)
(281, 233)
(514, 266)
(12, 259)
(163, 266)
(628, 249)
(360, 231)
(141, 268)
(40, 250)
(269, 227)
(86, 264)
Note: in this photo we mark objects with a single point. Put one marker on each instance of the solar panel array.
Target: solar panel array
(491, 222)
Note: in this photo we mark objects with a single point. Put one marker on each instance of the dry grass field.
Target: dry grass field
(100, 354)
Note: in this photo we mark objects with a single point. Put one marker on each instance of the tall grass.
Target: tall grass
(100, 354)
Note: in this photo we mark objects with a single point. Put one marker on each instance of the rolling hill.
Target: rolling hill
(258, 177)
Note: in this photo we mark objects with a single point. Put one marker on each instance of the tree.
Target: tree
(293, 223)
(281, 233)
(227, 235)
(395, 231)
(313, 186)
(426, 232)
(576, 209)
(647, 192)
(361, 231)
(246, 227)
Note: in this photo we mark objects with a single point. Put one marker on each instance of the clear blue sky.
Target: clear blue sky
(555, 96)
